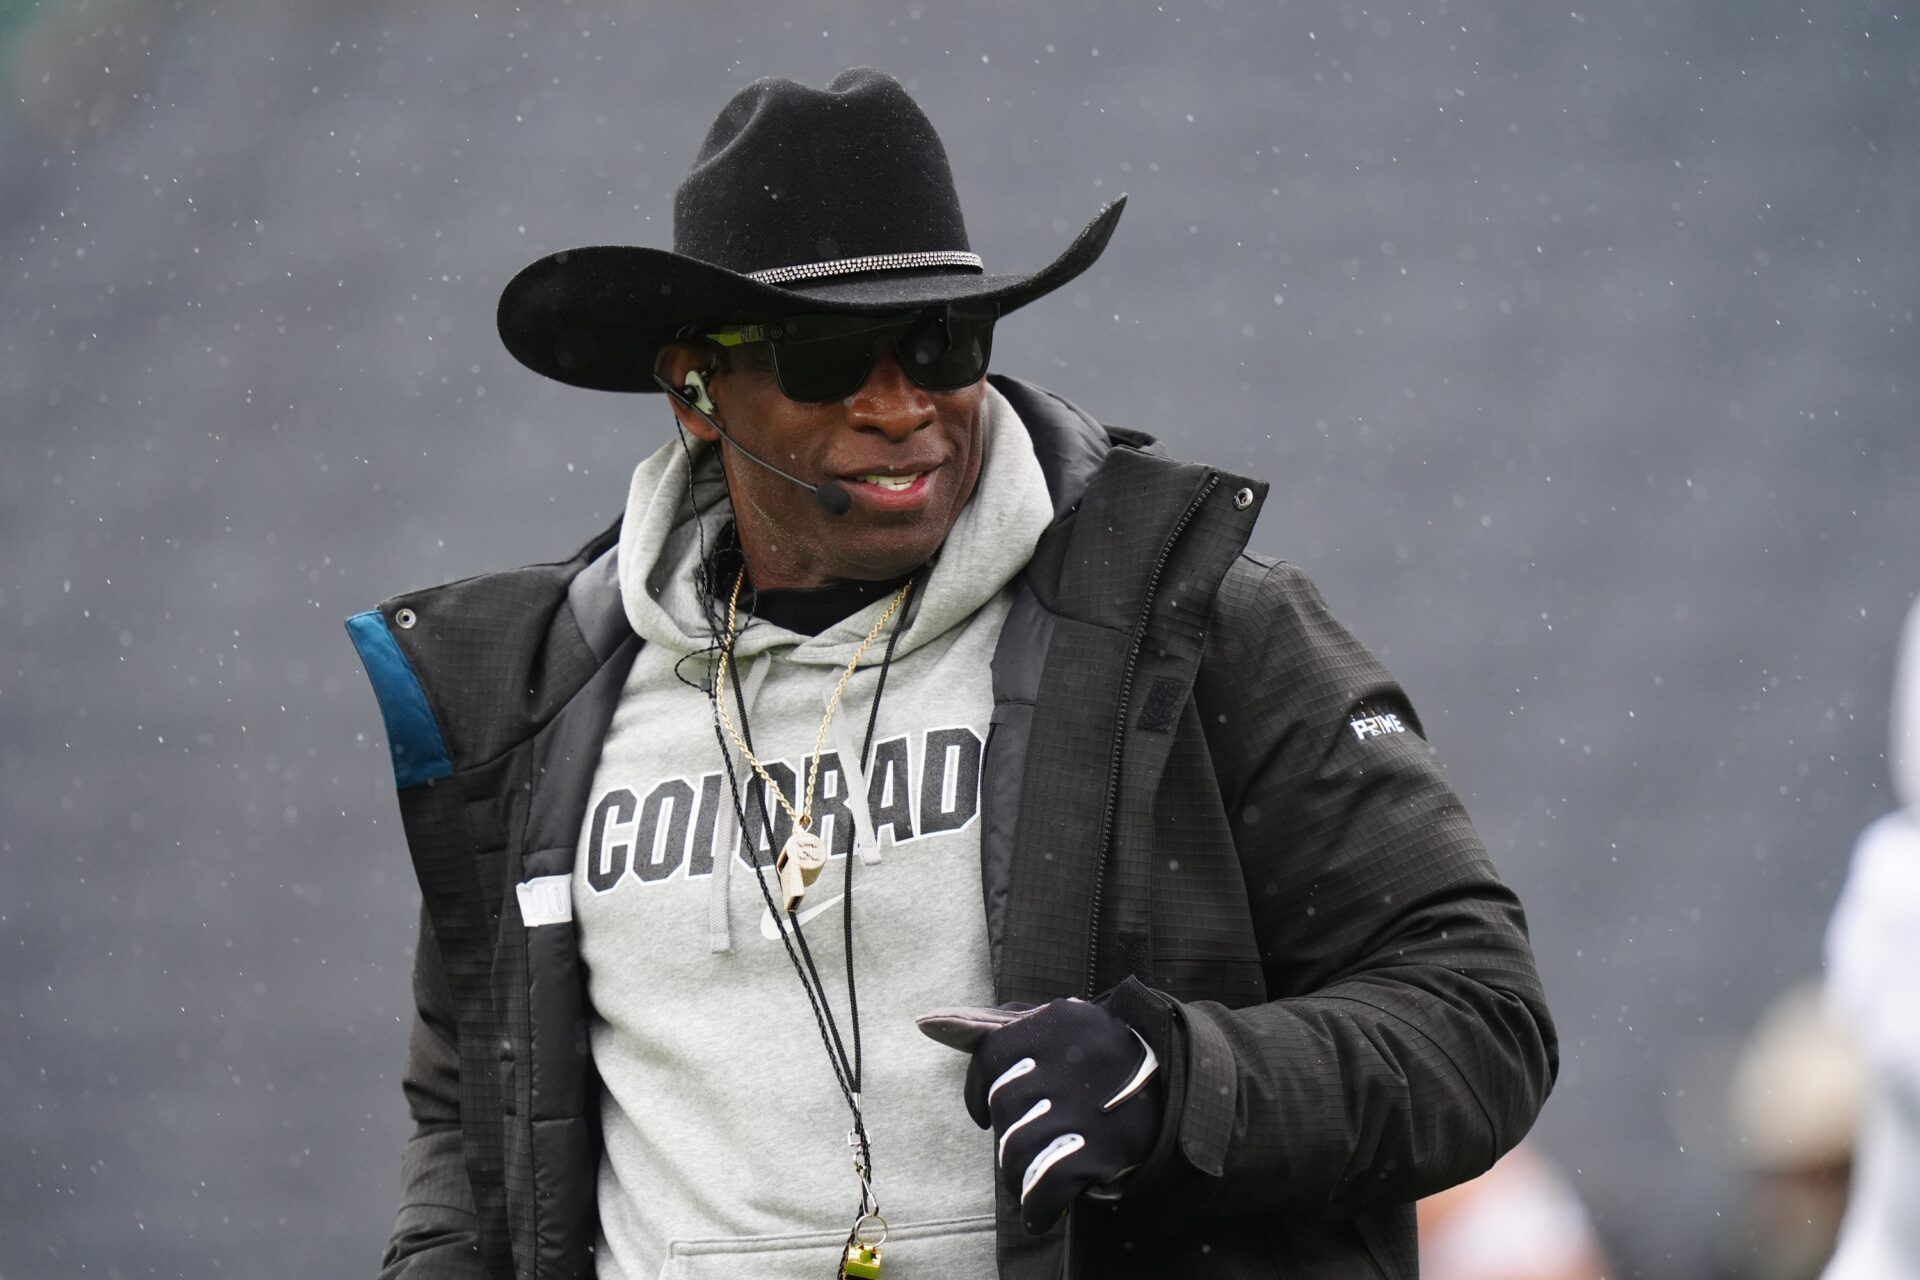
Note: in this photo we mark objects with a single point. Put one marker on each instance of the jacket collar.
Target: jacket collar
(1069, 443)
(497, 656)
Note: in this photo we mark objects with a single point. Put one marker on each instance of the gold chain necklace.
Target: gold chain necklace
(804, 855)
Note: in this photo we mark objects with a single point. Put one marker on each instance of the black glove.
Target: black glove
(1074, 1096)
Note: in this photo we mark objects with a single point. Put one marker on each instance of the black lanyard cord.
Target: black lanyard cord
(847, 1073)
(821, 1018)
(846, 1076)
(866, 762)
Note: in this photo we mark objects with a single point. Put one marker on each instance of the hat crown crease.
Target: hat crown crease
(790, 175)
(799, 200)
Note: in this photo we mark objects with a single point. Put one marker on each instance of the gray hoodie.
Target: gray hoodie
(725, 1130)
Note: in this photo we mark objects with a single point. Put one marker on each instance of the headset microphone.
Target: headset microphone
(833, 497)
(830, 494)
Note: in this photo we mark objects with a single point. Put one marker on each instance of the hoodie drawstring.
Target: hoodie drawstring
(719, 921)
(854, 779)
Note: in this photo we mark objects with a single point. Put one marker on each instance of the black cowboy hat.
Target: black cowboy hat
(800, 200)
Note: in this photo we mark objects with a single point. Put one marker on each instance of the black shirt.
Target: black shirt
(810, 610)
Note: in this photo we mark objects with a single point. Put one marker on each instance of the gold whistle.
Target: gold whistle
(799, 865)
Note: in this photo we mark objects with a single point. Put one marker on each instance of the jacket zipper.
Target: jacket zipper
(1120, 724)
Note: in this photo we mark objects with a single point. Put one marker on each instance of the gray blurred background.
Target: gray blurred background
(1579, 347)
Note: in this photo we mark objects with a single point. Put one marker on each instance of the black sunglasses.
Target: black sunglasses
(828, 355)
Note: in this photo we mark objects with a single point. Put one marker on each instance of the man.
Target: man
(903, 693)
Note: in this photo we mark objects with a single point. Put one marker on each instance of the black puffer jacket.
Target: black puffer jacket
(1191, 781)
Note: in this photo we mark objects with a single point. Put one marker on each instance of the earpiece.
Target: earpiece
(829, 493)
(695, 392)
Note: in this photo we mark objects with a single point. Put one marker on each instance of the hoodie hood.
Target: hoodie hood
(1903, 753)
(661, 542)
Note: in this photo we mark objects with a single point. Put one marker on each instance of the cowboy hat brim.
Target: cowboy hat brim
(597, 317)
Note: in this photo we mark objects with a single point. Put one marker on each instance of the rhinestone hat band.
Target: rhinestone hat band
(872, 262)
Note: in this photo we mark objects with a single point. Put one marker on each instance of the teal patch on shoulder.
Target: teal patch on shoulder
(413, 735)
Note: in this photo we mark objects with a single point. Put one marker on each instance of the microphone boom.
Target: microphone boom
(830, 494)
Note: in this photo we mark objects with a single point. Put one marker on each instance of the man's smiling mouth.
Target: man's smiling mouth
(893, 490)
(895, 483)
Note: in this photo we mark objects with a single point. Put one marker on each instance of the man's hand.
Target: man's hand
(1074, 1099)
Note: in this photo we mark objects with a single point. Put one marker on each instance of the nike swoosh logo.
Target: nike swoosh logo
(771, 932)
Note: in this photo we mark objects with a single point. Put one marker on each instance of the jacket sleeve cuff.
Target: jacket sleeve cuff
(1201, 1083)
(1205, 1117)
